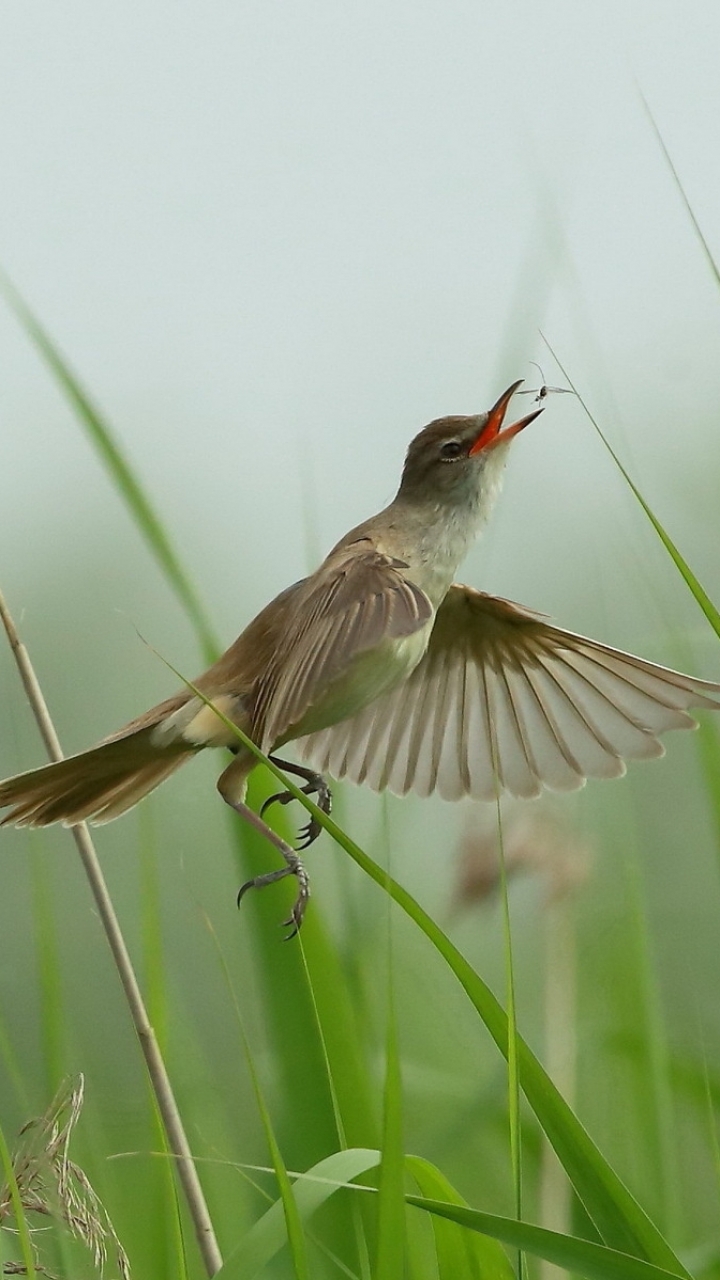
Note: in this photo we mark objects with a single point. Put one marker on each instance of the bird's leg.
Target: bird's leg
(293, 867)
(232, 785)
(316, 785)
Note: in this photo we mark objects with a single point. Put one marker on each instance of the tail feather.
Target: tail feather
(97, 785)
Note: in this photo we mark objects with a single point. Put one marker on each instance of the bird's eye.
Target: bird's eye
(451, 450)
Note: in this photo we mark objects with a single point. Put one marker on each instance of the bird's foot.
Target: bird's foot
(296, 868)
(315, 786)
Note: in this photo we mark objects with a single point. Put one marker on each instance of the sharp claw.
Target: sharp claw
(295, 868)
(294, 926)
(280, 797)
(308, 834)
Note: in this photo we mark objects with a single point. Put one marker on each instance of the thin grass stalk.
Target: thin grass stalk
(709, 609)
(560, 1058)
(159, 1079)
(21, 1222)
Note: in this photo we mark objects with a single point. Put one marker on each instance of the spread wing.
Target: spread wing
(358, 599)
(502, 701)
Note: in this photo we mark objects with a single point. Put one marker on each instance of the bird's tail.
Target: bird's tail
(96, 785)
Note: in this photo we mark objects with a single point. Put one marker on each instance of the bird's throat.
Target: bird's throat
(433, 536)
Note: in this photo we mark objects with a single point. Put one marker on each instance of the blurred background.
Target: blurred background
(273, 241)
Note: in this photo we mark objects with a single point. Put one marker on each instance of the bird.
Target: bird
(543, 391)
(384, 670)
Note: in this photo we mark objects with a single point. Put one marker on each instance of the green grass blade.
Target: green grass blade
(688, 207)
(657, 1073)
(117, 466)
(619, 1219)
(293, 1222)
(459, 1252)
(21, 1223)
(391, 1241)
(293, 1230)
(341, 1048)
(711, 612)
(512, 1054)
(311, 1190)
(594, 1261)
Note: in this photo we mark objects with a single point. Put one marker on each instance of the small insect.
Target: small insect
(544, 390)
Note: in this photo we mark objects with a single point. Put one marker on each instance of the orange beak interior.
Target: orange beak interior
(492, 433)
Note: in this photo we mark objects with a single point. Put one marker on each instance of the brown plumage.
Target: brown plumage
(388, 673)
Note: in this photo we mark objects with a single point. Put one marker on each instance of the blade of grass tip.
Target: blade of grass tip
(595, 1261)
(116, 464)
(18, 1211)
(616, 1214)
(688, 207)
(293, 1221)
(711, 612)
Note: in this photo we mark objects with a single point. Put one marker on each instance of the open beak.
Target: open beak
(492, 433)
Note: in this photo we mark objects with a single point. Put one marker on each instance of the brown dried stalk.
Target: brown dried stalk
(167, 1106)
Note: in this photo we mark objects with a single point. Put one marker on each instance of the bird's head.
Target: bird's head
(453, 459)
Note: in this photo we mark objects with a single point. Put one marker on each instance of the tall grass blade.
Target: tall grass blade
(617, 1216)
(459, 1252)
(293, 1223)
(312, 1190)
(346, 1055)
(711, 612)
(512, 1054)
(391, 1241)
(681, 190)
(293, 1229)
(594, 1261)
(657, 1074)
(115, 463)
(10, 1197)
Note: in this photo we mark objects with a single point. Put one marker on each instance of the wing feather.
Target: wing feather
(502, 700)
(359, 599)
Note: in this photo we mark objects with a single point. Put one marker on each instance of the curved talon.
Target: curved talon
(296, 868)
(280, 797)
(315, 785)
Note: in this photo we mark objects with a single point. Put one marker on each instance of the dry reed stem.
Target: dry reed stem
(159, 1079)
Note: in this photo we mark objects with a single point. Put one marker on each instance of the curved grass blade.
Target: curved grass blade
(119, 469)
(688, 207)
(391, 1241)
(616, 1214)
(711, 612)
(594, 1261)
(459, 1252)
(292, 1225)
(311, 1190)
